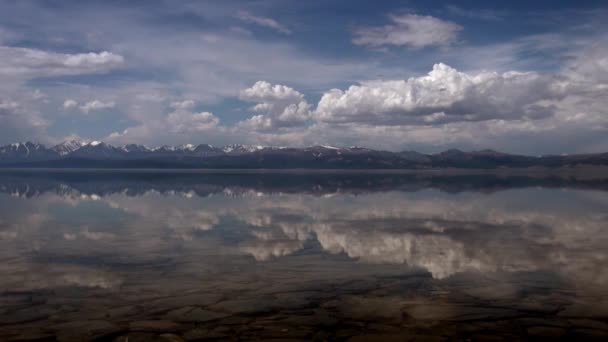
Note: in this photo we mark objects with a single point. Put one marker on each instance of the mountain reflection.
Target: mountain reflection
(142, 238)
(102, 183)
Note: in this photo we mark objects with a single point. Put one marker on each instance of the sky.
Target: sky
(518, 76)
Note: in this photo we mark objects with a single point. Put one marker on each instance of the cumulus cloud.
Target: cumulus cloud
(172, 63)
(16, 61)
(411, 30)
(182, 121)
(443, 95)
(70, 104)
(263, 91)
(262, 21)
(445, 108)
(279, 106)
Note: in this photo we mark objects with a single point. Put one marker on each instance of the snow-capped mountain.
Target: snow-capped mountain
(26, 151)
(182, 150)
(98, 149)
(164, 148)
(76, 153)
(68, 146)
(237, 148)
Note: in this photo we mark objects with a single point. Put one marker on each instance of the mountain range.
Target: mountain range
(97, 154)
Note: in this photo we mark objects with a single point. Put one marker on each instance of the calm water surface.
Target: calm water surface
(172, 257)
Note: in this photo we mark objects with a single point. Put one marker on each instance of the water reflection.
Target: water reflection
(257, 256)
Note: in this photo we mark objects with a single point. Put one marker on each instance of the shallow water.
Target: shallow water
(170, 256)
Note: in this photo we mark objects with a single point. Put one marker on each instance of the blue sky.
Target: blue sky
(519, 76)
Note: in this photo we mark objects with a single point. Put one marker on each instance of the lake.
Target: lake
(172, 256)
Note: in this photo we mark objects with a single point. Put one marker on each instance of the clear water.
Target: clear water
(114, 256)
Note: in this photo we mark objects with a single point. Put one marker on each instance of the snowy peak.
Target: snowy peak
(22, 147)
(68, 146)
(164, 148)
(97, 145)
(25, 150)
(97, 149)
(75, 153)
(328, 147)
(238, 148)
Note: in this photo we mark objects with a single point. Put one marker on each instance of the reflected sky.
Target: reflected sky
(135, 243)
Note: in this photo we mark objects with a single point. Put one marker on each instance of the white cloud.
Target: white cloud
(229, 59)
(26, 62)
(18, 66)
(183, 105)
(279, 106)
(447, 108)
(6, 106)
(589, 68)
(90, 106)
(263, 91)
(444, 109)
(92, 60)
(262, 21)
(443, 95)
(69, 104)
(181, 123)
(411, 30)
(96, 105)
(19, 122)
(184, 121)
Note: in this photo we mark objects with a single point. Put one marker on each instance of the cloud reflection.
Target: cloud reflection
(522, 230)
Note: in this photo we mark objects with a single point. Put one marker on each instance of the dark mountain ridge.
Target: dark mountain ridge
(75, 154)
